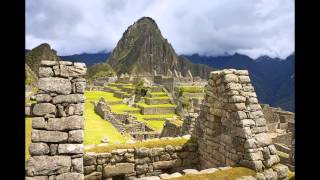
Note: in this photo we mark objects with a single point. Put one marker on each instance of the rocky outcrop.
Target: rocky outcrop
(143, 50)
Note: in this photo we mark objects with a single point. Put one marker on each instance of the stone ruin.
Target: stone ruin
(124, 123)
(57, 124)
(231, 128)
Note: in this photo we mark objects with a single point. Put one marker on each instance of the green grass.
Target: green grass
(28, 128)
(96, 95)
(147, 144)
(282, 154)
(96, 128)
(156, 105)
(229, 174)
(191, 89)
(157, 125)
(161, 97)
(158, 94)
(291, 175)
(121, 108)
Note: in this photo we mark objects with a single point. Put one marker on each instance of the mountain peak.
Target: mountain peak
(142, 50)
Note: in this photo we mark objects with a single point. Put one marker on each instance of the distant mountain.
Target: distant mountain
(273, 78)
(142, 50)
(88, 58)
(36, 55)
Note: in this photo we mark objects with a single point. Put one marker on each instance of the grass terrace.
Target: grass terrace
(155, 105)
(148, 144)
(96, 95)
(191, 89)
(96, 128)
(121, 108)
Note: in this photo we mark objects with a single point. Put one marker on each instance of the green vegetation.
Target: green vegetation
(291, 175)
(99, 70)
(121, 108)
(147, 144)
(28, 128)
(229, 174)
(163, 97)
(155, 105)
(96, 128)
(190, 89)
(96, 95)
(158, 94)
(282, 154)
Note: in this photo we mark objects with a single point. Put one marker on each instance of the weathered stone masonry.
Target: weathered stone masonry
(139, 162)
(57, 124)
(231, 128)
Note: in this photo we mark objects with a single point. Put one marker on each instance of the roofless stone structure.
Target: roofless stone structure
(57, 124)
(231, 129)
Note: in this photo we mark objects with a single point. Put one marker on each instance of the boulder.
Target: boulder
(45, 72)
(39, 123)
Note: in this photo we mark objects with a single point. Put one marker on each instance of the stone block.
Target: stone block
(230, 78)
(75, 109)
(48, 136)
(244, 79)
(94, 176)
(89, 159)
(55, 85)
(263, 139)
(70, 176)
(165, 164)
(77, 165)
(72, 71)
(43, 98)
(274, 159)
(282, 170)
(89, 169)
(233, 86)
(45, 72)
(237, 99)
(39, 123)
(70, 98)
(79, 87)
(37, 178)
(118, 169)
(76, 136)
(70, 148)
(37, 149)
(48, 165)
(41, 109)
(49, 63)
(65, 123)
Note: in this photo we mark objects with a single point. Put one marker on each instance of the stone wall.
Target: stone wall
(231, 128)
(139, 162)
(56, 147)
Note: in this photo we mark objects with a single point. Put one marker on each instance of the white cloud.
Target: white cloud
(207, 27)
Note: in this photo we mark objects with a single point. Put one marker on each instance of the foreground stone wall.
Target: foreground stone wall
(231, 129)
(139, 162)
(57, 124)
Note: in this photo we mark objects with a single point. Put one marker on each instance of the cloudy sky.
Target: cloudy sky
(207, 27)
